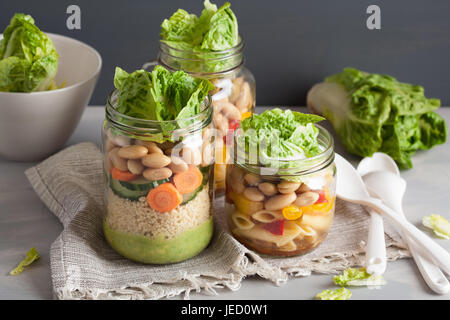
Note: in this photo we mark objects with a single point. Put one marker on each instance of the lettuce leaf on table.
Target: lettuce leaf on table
(439, 225)
(336, 294)
(373, 112)
(28, 58)
(358, 277)
(31, 256)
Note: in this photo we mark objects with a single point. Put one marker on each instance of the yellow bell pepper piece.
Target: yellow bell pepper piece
(292, 212)
(245, 206)
(245, 115)
(319, 207)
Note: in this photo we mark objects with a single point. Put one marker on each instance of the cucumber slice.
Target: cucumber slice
(126, 193)
(190, 196)
(141, 184)
(135, 189)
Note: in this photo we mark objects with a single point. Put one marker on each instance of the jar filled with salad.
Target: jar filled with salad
(158, 161)
(209, 46)
(280, 190)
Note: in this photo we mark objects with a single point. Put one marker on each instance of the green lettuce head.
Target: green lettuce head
(28, 58)
(374, 112)
(201, 39)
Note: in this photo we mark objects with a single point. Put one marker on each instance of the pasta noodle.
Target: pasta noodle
(316, 222)
(266, 216)
(290, 246)
(291, 231)
(307, 232)
(241, 221)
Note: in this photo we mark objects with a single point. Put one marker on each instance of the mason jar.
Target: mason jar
(159, 185)
(233, 98)
(282, 211)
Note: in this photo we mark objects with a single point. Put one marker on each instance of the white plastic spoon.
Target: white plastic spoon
(392, 195)
(376, 244)
(350, 187)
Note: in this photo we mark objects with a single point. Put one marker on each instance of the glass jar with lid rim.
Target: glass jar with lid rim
(283, 207)
(159, 185)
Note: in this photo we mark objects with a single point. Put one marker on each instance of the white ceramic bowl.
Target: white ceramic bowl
(37, 124)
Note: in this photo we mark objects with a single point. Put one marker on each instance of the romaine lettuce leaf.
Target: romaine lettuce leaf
(372, 112)
(223, 30)
(135, 98)
(433, 130)
(358, 277)
(160, 95)
(336, 294)
(180, 27)
(198, 40)
(28, 58)
(276, 134)
(439, 225)
(31, 256)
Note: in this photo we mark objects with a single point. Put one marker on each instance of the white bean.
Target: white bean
(155, 160)
(118, 162)
(231, 112)
(253, 194)
(157, 174)
(252, 179)
(150, 145)
(306, 199)
(288, 186)
(269, 189)
(135, 166)
(280, 201)
(132, 152)
(221, 123)
(303, 188)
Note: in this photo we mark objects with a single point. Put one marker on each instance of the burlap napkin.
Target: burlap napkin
(83, 266)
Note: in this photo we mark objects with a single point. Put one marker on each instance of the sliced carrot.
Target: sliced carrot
(122, 175)
(164, 198)
(189, 180)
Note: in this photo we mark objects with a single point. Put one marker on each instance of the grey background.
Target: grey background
(291, 44)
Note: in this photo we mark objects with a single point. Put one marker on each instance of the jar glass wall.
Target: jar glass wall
(159, 185)
(234, 95)
(283, 212)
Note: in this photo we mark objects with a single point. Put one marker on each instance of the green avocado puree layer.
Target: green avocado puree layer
(159, 250)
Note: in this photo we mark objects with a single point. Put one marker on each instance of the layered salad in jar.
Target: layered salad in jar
(158, 166)
(209, 46)
(280, 190)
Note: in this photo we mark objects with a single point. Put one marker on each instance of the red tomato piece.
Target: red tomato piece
(233, 124)
(322, 197)
(276, 227)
